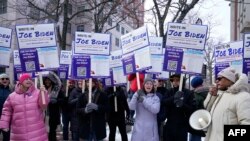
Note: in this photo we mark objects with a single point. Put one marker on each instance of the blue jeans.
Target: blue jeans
(65, 120)
(194, 137)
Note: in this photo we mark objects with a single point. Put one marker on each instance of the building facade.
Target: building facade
(127, 16)
(240, 20)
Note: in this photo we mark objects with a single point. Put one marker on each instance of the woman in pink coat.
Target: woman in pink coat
(23, 112)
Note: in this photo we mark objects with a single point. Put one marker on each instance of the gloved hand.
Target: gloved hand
(92, 106)
(88, 110)
(178, 99)
(141, 95)
(53, 100)
(127, 117)
(114, 94)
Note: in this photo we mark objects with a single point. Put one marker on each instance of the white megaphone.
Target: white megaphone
(200, 119)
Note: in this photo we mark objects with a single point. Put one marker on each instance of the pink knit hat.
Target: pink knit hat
(24, 77)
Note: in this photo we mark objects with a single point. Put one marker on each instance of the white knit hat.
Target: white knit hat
(4, 75)
(228, 73)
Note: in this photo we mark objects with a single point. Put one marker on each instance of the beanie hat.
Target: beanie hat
(197, 81)
(4, 75)
(24, 77)
(148, 79)
(228, 73)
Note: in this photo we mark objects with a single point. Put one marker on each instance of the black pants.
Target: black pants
(6, 135)
(174, 133)
(65, 120)
(52, 132)
(122, 128)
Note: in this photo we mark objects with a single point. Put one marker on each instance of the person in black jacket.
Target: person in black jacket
(73, 99)
(66, 110)
(179, 106)
(53, 85)
(92, 124)
(5, 90)
(117, 118)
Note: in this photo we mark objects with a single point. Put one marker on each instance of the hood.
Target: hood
(241, 84)
(55, 79)
(19, 91)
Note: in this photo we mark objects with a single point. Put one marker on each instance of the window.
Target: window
(123, 31)
(3, 6)
(80, 8)
(69, 28)
(117, 42)
(80, 28)
(70, 9)
(109, 21)
(118, 27)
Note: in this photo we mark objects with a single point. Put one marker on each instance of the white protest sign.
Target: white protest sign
(237, 65)
(34, 36)
(155, 45)
(134, 40)
(46, 55)
(118, 76)
(5, 37)
(5, 56)
(192, 61)
(163, 75)
(157, 63)
(99, 66)
(16, 57)
(247, 45)
(92, 43)
(186, 35)
(65, 57)
(142, 59)
(229, 52)
(116, 59)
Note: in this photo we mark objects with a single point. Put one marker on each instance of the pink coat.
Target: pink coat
(24, 113)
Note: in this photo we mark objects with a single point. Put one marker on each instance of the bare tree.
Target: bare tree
(174, 9)
(61, 13)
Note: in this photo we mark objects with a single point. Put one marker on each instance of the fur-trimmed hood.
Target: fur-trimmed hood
(241, 84)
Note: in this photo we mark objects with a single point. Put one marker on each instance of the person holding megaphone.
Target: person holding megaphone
(228, 103)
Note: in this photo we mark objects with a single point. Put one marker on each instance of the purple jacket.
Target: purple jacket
(24, 113)
(145, 127)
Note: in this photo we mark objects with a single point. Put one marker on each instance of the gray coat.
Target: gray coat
(145, 127)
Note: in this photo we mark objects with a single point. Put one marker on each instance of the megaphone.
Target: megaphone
(200, 119)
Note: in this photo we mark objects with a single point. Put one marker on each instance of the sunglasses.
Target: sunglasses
(219, 78)
(5, 78)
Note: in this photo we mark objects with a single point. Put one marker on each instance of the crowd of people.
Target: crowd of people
(158, 113)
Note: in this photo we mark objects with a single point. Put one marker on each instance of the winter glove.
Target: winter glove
(6, 129)
(53, 100)
(141, 95)
(87, 110)
(92, 106)
(178, 99)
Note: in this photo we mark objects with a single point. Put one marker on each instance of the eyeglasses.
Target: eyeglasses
(219, 78)
(5, 78)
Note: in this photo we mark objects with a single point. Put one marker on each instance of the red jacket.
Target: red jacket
(133, 81)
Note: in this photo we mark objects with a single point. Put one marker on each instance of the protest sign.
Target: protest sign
(229, 52)
(155, 45)
(186, 36)
(173, 59)
(80, 67)
(192, 61)
(37, 35)
(5, 37)
(99, 66)
(46, 55)
(5, 56)
(142, 59)
(134, 40)
(118, 76)
(157, 64)
(92, 43)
